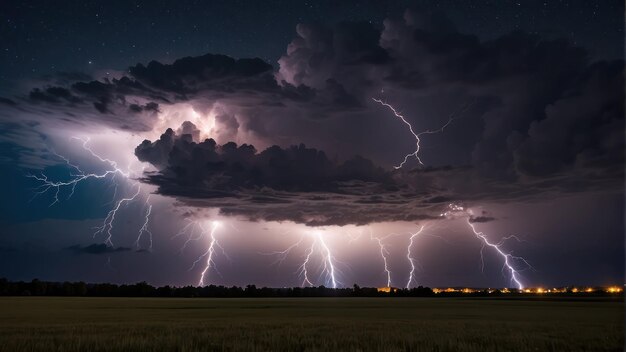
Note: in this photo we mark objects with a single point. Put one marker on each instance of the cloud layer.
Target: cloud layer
(540, 121)
(297, 183)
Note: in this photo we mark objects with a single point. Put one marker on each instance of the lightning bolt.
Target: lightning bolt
(188, 230)
(210, 252)
(507, 257)
(76, 178)
(144, 228)
(77, 175)
(328, 259)
(509, 260)
(409, 256)
(383, 253)
(107, 224)
(417, 136)
(382, 249)
(317, 245)
(303, 267)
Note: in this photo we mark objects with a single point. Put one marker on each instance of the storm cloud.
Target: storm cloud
(297, 183)
(538, 119)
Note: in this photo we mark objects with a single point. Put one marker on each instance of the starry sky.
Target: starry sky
(246, 142)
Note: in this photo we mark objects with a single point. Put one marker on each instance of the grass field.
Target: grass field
(309, 324)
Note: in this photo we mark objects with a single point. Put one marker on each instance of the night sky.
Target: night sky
(402, 143)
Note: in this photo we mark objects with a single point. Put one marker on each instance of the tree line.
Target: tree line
(143, 289)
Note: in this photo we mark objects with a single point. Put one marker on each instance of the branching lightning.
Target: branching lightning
(208, 255)
(317, 249)
(107, 224)
(329, 266)
(319, 245)
(77, 176)
(454, 210)
(510, 261)
(415, 153)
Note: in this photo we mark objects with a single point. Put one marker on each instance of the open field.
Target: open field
(309, 324)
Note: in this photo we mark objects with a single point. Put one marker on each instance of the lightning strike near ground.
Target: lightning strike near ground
(410, 258)
(329, 266)
(383, 253)
(209, 254)
(510, 261)
(320, 246)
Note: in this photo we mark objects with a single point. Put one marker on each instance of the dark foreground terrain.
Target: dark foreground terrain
(310, 324)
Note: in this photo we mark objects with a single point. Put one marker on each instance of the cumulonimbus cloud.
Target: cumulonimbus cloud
(545, 121)
(297, 183)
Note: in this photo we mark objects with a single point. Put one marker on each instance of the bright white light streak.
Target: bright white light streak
(415, 153)
(209, 253)
(507, 257)
(410, 258)
(144, 228)
(383, 253)
(78, 176)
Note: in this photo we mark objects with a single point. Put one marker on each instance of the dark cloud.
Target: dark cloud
(297, 183)
(483, 217)
(547, 123)
(164, 83)
(96, 248)
(542, 121)
(150, 107)
(122, 104)
(543, 112)
(302, 185)
(192, 74)
(229, 166)
(53, 95)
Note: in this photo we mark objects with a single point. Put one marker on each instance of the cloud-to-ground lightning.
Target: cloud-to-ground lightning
(410, 258)
(78, 176)
(453, 208)
(510, 261)
(507, 256)
(303, 267)
(317, 245)
(209, 254)
(383, 253)
(382, 250)
(328, 259)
